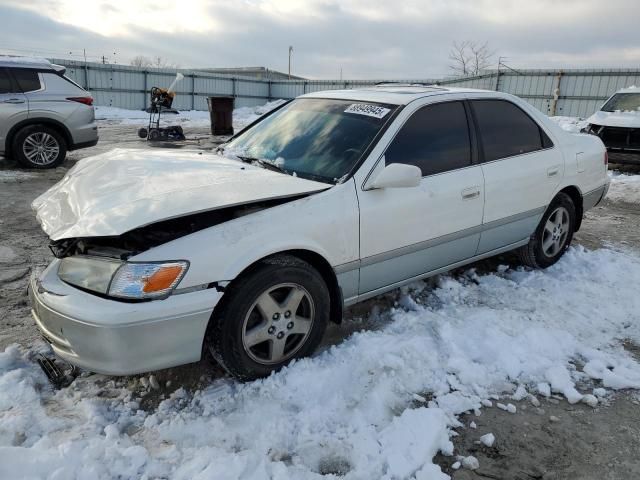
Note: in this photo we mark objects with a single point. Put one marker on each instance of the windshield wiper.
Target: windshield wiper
(263, 163)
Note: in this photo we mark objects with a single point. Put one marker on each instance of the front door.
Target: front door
(406, 232)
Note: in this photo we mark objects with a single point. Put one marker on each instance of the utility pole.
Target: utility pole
(290, 53)
(498, 74)
(86, 71)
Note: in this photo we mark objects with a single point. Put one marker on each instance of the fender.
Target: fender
(39, 121)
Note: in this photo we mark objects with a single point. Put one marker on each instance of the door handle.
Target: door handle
(469, 193)
(13, 100)
(553, 171)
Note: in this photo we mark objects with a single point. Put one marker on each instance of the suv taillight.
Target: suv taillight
(85, 100)
(606, 157)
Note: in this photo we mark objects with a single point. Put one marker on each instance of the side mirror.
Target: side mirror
(397, 175)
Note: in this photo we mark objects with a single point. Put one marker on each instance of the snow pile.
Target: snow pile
(624, 188)
(570, 124)
(189, 118)
(488, 440)
(350, 410)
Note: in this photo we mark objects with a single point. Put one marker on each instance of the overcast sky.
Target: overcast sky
(366, 38)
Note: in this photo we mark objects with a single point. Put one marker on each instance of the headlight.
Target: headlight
(123, 279)
(88, 272)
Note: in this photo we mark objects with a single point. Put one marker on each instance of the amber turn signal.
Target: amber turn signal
(162, 279)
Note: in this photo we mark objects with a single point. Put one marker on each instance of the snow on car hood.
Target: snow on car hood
(123, 189)
(616, 119)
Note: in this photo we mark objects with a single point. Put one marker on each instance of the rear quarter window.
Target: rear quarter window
(27, 80)
(5, 81)
(60, 84)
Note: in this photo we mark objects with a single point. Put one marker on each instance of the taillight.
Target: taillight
(606, 157)
(85, 100)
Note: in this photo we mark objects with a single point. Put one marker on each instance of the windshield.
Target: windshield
(624, 102)
(318, 139)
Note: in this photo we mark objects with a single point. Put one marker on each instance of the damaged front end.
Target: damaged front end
(623, 143)
(103, 265)
(134, 242)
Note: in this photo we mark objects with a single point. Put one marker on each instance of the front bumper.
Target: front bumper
(119, 338)
(624, 157)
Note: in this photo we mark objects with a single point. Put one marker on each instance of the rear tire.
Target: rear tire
(39, 146)
(274, 314)
(553, 235)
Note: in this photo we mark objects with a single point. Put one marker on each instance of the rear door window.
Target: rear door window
(506, 130)
(5, 81)
(435, 139)
(28, 80)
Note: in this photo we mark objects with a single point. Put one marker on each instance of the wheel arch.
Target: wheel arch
(48, 122)
(319, 263)
(576, 197)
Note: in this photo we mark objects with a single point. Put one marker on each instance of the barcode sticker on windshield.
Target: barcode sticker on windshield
(368, 110)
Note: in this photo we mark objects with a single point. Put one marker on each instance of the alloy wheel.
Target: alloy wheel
(40, 148)
(278, 323)
(556, 231)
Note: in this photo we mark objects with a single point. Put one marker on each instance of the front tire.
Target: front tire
(40, 147)
(553, 235)
(274, 314)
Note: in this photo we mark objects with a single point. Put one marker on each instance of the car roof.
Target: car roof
(15, 61)
(394, 94)
(632, 89)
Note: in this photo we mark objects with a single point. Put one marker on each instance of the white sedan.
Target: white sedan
(335, 197)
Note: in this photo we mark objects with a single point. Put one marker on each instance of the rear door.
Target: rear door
(406, 232)
(522, 169)
(13, 105)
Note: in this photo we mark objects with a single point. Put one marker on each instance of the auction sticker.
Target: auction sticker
(368, 110)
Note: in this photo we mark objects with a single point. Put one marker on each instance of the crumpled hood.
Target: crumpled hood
(123, 189)
(616, 119)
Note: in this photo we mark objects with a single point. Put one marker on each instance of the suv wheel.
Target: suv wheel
(276, 313)
(38, 146)
(553, 235)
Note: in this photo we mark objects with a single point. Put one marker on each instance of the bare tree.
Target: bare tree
(459, 56)
(160, 62)
(481, 56)
(141, 61)
(470, 57)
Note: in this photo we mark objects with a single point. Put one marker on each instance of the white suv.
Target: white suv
(332, 199)
(43, 113)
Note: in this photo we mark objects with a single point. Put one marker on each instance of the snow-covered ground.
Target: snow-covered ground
(190, 118)
(624, 187)
(378, 405)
